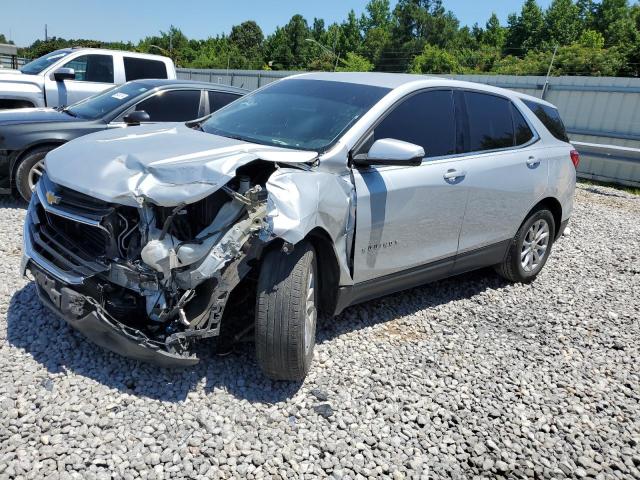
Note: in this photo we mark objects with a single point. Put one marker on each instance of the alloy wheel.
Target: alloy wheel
(535, 246)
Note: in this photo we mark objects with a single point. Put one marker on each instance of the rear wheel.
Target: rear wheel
(530, 248)
(29, 171)
(286, 315)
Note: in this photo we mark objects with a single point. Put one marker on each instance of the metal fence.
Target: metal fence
(9, 61)
(602, 114)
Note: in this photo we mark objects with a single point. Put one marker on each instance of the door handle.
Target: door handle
(454, 174)
(533, 162)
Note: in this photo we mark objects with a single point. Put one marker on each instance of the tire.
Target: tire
(285, 323)
(28, 169)
(539, 224)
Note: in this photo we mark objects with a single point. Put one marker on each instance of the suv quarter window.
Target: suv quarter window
(550, 118)
(92, 68)
(172, 105)
(140, 68)
(425, 118)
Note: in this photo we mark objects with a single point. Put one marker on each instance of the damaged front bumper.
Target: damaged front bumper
(76, 285)
(88, 318)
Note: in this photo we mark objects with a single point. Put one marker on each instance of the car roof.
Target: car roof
(397, 80)
(165, 83)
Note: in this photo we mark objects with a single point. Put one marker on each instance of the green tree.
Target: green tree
(561, 23)
(247, 36)
(376, 28)
(3, 39)
(591, 39)
(417, 23)
(434, 59)
(354, 63)
(524, 31)
(287, 47)
(615, 21)
(350, 38)
(494, 35)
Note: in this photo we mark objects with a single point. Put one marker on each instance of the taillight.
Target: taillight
(575, 158)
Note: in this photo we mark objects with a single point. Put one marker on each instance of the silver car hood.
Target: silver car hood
(166, 164)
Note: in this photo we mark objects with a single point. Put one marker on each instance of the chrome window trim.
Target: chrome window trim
(536, 137)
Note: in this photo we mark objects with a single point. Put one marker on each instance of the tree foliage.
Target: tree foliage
(592, 38)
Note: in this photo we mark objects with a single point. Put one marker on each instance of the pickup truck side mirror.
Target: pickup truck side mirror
(136, 118)
(62, 74)
(389, 151)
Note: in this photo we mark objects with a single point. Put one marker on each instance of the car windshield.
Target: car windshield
(105, 102)
(39, 64)
(297, 113)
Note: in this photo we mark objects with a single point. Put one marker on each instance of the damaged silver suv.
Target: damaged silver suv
(313, 193)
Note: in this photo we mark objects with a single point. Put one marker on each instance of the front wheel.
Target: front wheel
(285, 324)
(29, 171)
(530, 248)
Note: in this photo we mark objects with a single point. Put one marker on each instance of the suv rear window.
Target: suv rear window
(137, 68)
(550, 117)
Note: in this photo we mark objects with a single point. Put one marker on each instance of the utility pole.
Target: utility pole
(46, 34)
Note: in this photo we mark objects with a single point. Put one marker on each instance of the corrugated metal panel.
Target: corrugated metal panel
(600, 110)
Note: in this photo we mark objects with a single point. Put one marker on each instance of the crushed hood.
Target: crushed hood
(166, 164)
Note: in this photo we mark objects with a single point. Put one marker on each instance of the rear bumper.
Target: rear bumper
(106, 332)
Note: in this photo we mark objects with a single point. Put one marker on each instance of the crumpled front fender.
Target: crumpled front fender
(300, 201)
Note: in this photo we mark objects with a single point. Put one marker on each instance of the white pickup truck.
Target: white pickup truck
(69, 75)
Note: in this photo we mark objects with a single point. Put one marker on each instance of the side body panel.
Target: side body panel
(503, 186)
(406, 217)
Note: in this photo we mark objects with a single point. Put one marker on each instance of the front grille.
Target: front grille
(81, 204)
(68, 233)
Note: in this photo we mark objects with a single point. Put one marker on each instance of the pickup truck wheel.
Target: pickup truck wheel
(285, 324)
(530, 248)
(29, 171)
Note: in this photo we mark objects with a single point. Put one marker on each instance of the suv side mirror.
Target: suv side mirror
(136, 118)
(62, 74)
(389, 151)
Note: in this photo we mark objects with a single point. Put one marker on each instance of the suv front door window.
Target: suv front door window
(172, 106)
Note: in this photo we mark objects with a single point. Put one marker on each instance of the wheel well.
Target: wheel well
(553, 205)
(327, 268)
(24, 153)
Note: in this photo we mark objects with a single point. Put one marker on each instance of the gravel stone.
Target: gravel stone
(470, 377)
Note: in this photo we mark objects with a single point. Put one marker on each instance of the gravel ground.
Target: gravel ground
(469, 377)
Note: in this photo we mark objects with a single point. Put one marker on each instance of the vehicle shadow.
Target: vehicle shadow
(60, 349)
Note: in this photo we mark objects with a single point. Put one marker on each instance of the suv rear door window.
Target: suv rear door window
(137, 68)
(550, 117)
(424, 119)
(490, 122)
(172, 106)
(217, 100)
(92, 68)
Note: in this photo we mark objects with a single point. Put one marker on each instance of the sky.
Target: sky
(112, 20)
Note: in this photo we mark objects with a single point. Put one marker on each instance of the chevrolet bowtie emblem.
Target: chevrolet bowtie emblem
(52, 198)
